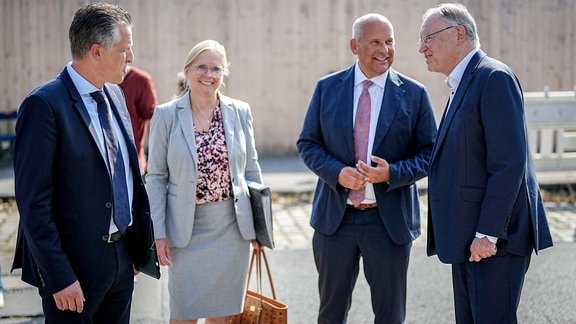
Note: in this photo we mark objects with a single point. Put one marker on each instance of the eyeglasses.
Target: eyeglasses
(216, 71)
(426, 39)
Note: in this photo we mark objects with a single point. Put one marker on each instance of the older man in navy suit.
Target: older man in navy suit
(84, 213)
(368, 135)
(485, 211)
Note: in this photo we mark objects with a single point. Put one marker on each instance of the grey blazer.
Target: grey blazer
(172, 167)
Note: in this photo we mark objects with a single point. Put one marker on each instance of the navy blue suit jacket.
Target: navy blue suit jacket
(404, 137)
(63, 190)
(481, 176)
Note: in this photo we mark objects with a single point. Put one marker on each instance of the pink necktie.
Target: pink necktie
(361, 130)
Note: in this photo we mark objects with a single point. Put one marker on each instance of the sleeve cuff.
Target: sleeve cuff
(492, 239)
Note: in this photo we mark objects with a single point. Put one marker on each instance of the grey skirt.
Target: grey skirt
(207, 278)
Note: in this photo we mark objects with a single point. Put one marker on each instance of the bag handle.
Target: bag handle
(258, 255)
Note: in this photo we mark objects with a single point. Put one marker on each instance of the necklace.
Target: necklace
(202, 125)
(202, 122)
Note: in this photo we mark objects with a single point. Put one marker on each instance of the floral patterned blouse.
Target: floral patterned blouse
(213, 172)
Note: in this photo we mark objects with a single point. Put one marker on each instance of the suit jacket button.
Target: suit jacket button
(108, 205)
(105, 237)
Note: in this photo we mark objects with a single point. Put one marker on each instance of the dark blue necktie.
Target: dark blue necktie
(121, 212)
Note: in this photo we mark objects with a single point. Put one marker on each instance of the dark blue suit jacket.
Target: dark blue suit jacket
(404, 137)
(63, 190)
(481, 177)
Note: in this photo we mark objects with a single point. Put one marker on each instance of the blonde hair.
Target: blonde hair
(204, 45)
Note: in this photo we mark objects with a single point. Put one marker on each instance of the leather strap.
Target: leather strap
(258, 256)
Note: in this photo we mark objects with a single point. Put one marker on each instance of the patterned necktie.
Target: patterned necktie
(115, 162)
(361, 134)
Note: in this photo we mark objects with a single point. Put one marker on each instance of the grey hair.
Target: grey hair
(96, 23)
(360, 22)
(457, 15)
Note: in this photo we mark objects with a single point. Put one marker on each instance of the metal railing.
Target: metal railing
(551, 120)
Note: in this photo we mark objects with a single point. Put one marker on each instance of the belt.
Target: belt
(363, 206)
(114, 237)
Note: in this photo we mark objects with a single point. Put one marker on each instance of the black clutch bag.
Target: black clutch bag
(151, 266)
(261, 200)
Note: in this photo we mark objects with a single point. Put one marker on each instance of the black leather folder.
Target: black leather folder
(151, 267)
(261, 200)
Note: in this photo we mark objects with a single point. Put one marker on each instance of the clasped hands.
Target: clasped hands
(357, 177)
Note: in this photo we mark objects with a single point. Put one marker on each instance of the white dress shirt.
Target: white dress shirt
(376, 95)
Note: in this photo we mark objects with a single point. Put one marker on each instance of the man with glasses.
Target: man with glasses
(485, 211)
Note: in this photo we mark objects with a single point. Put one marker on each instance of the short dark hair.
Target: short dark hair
(96, 23)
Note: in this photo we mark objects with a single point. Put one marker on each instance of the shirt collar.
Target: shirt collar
(359, 77)
(453, 80)
(83, 86)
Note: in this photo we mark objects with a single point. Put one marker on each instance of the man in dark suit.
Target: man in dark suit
(366, 202)
(73, 243)
(485, 211)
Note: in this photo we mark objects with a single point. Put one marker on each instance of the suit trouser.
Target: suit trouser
(337, 256)
(108, 300)
(488, 291)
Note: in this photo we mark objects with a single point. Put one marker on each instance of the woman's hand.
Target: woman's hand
(257, 246)
(163, 250)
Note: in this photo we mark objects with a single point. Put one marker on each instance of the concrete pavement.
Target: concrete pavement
(547, 298)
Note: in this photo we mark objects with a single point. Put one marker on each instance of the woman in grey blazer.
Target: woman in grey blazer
(201, 153)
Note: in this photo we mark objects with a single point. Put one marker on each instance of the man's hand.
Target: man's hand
(70, 298)
(350, 178)
(163, 250)
(377, 174)
(481, 248)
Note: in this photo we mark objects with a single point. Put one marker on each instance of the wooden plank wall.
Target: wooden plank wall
(278, 49)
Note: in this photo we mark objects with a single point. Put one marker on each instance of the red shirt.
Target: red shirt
(141, 99)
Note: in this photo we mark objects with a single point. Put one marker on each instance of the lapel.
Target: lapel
(467, 78)
(391, 100)
(78, 104)
(123, 118)
(121, 115)
(229, 118)
(184, 112)
(344, 106)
